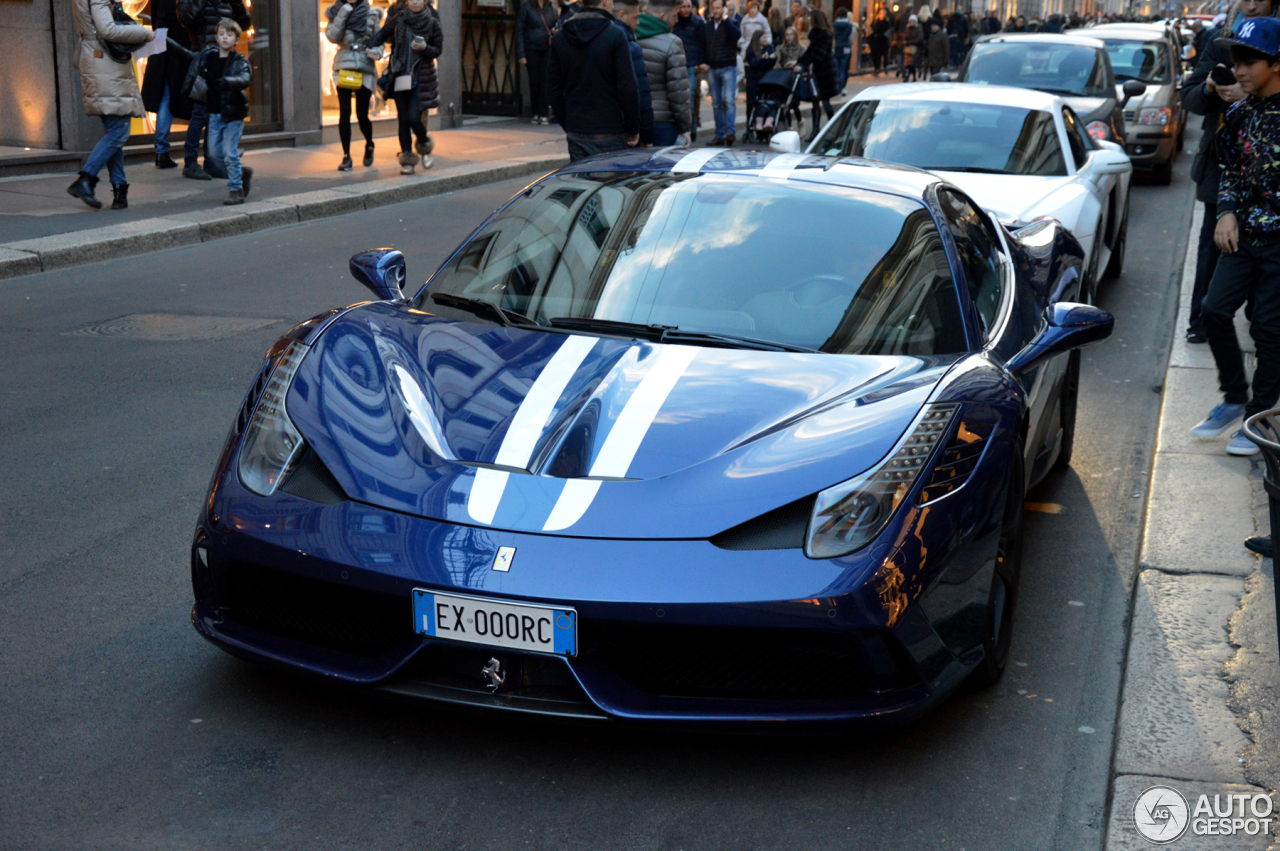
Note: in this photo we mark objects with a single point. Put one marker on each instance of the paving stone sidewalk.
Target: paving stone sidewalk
(1203, 674)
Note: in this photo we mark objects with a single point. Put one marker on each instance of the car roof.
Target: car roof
(1045, 38)
(1145, 32)
(962, 93)
(852, 172)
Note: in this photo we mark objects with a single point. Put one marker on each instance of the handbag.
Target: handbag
(403, 83)
(120, 53)
(350, 79)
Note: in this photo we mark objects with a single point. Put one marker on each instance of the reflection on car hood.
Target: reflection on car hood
(597, 437)
(1091, 109)
(1014, 198)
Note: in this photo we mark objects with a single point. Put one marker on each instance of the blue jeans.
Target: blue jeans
(664, 134)
(164, 121)
(724, 99)
(695, 97)
(195, 129)
(581, 147)
(109, 151)
(224, 143)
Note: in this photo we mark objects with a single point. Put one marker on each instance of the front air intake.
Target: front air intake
(781, 529)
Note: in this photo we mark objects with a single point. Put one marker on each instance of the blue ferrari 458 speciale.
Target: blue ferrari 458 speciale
(679, 436)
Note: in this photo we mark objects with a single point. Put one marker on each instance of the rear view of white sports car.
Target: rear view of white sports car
(1021, 154)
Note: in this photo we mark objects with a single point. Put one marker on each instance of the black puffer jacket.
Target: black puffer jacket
(236, 75)
(422, 63)
(534, 26)
(590, 80)
(201, 17)
(821, 62)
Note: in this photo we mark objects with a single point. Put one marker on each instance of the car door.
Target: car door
(1099, 216)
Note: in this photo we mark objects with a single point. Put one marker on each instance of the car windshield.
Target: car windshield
(1147, 61)
(801, 264)
(948, 136)
(1071, 70)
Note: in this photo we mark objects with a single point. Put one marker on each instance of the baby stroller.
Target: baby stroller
(778, 105)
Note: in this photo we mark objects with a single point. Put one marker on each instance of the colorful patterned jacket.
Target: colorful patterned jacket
(1249, 152)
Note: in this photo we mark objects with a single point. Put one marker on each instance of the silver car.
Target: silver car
(1154, 121)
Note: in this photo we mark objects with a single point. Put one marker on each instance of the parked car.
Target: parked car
(704, 437)
(1020, 153)
(1074, 67)
(1154, 120)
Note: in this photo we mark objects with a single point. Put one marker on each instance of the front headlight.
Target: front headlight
(271, 442)
(849, 515)
(1159, 116)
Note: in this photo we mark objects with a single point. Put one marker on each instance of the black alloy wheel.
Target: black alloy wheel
(1067, 411)
(998, 622)
(1115, 265)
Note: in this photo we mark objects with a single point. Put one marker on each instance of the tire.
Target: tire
(1182, 135)
(1162, 175)
(1067, 403)
(1115, 266)
(998, 622)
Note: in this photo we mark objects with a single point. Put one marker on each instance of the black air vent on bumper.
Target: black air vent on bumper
(781, 529)
(311, 479)
(957, 460)
(349, 620)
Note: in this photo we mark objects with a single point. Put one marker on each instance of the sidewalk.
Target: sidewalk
(1202, 676)
(43, 228)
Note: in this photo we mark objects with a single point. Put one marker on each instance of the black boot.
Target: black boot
(246, 178)
(119, 196)
(368, 153)
(83, 189)
(165, 161)
(1259, 544)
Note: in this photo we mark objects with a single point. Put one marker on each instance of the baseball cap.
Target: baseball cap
(1260, 34)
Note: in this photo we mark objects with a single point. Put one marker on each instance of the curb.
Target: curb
(44, 254)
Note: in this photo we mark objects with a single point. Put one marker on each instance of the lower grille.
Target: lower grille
(362, 623)
(687, 661)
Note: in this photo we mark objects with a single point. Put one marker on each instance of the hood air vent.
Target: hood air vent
(781, 529)
(958, 460)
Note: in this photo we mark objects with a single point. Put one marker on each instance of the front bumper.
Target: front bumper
(1149, 147)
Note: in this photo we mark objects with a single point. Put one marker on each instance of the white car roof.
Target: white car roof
(1046, 38)
(963, 93)
(1143, 32)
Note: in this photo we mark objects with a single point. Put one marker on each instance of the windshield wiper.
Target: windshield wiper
(506, 318)
(671, 334)
(972, 169)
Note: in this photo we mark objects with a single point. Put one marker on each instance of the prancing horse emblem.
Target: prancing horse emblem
(493, 673)
(502, 561)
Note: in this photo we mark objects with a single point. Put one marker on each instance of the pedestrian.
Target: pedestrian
(668, 73)
(217, 78)
(937, 49)
(843, 31)
(759, 60)
(912, 50)
(731, 14)
(416, 40)
(777, 26)
(790, 50)
(592, 84)
(162, 81)
(1248, 234)
(626, 14)
(991, 23)
(534, 25)
(958, 36)
(881, 35)
(1201, 95)
(752, 23)
(819, 58)
(722, 59)
(352, 26)
(691, 30)
(567, 11)
(201, 18)
(799, 18)
(110, 91)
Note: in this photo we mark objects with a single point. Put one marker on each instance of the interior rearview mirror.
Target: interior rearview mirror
(381, 270)
(1067, 326)
(787, 142)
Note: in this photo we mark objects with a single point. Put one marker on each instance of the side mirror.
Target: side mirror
(1067, 326)
(1133, 89)
(788, 142)
(1110, 161)
(941, 77)
(381, 270)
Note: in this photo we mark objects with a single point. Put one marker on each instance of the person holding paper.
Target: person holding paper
(162, 82)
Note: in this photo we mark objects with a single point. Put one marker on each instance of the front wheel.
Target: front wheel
(998, 630)
(1162, 175)
(1067, 411)
(1116, 264)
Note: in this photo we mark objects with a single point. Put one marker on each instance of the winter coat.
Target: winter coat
(914, 41)
(108, 87)
(422, 63)
(591, 84)
(641, 72)
(1249, 151)
(821, 62)
(843, 30)
(693, 32)
(881, 33)
(167, 70)
(201, 17)
(722, 43)
(749, 27)
(353, 40)
(668, 74)
(938, 50)
(236, 75)
(534, 27)
(757, 66)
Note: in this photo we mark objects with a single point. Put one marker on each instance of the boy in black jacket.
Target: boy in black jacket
(218, 78)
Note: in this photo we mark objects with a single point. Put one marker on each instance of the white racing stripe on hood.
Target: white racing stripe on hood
(526, 426)
(624, 439)
(695, 160)
(782, 165)
(420, 413)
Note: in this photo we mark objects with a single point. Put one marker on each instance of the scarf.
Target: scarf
(408, 25)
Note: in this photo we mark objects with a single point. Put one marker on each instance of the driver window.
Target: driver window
(979, 254)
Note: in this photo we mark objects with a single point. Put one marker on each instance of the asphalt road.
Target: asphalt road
(121, 728)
